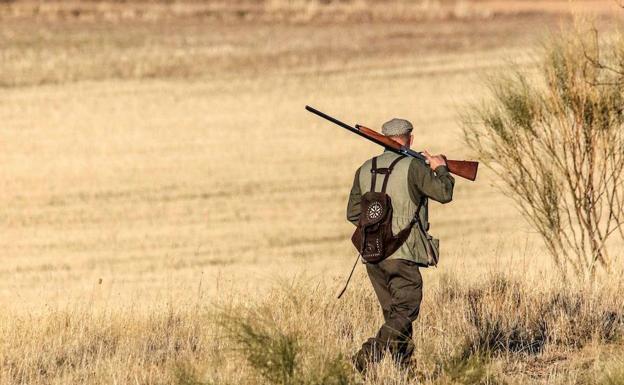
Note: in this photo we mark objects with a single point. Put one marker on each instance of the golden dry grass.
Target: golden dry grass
(157, 175)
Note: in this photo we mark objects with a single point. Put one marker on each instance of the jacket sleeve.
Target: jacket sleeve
(355, 197)
(437, 185)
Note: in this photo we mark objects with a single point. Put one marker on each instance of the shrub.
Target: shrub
(503, 316)
(469, 370)
(275, 354)
(557, 146)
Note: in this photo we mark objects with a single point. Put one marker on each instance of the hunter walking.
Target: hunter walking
(395, 189)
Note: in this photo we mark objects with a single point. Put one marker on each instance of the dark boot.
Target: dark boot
(370, 353)
(403, 357)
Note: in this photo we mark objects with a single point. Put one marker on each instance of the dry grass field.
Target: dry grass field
(162, 188)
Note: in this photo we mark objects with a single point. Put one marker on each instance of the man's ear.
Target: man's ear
(410, 141)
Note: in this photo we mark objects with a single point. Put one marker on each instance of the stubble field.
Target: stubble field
(161, 178)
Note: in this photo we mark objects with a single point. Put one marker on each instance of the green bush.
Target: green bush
(556, 142)
(275, 355)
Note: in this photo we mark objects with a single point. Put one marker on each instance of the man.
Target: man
(396, 280)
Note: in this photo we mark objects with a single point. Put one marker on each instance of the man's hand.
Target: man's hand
(434, 161)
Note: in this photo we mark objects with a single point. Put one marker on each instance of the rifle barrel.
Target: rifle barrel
(331, 119)
(355, 130)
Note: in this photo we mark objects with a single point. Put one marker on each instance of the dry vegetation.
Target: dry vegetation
(502, 330)
(168, 206)
(557, 144)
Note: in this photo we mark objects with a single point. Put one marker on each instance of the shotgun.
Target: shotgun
(464, 168)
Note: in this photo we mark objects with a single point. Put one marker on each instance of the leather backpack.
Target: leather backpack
(373, 237)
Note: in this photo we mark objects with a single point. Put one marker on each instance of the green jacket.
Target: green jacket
(410, 180)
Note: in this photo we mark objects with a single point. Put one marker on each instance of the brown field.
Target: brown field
(159, 170)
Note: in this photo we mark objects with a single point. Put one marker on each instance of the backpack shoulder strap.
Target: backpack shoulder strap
(390, 168)
(423, 201)
(373, 174)
(404, 233)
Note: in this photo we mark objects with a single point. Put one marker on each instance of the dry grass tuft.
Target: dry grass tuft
(88, 346)
(301, 335)
(280, 357)
(505, 316)
(294, 335)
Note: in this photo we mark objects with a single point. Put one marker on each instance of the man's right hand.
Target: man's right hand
(434, 161)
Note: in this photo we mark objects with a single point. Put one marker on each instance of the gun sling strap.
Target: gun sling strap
(403, 233)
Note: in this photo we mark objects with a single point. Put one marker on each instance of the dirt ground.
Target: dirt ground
(150, 154)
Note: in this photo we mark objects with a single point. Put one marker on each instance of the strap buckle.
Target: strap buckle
(382, 171)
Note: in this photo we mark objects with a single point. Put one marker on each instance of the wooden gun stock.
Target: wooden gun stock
(464, 168)
(380, 137)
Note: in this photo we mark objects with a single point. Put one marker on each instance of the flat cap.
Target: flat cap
(396, 127)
